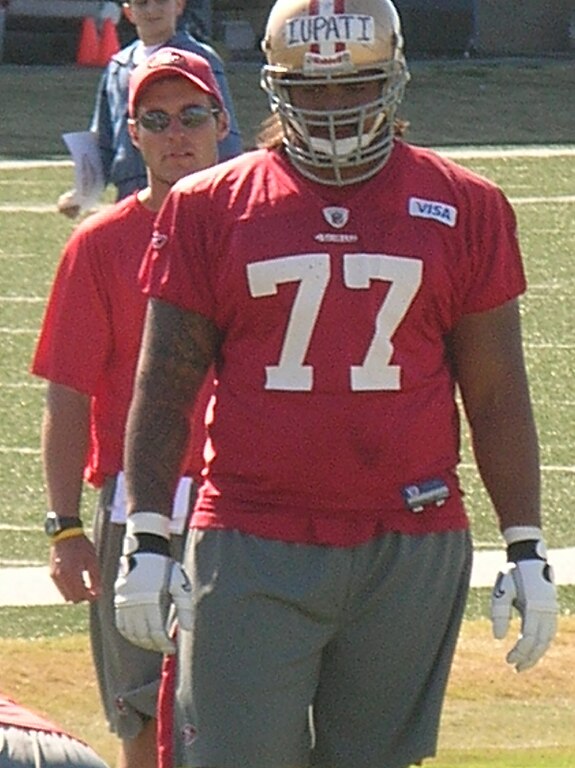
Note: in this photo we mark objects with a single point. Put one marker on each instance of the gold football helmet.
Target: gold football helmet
(310, 43)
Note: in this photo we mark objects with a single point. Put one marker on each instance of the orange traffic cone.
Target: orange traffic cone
(109, 43)
(87, 54)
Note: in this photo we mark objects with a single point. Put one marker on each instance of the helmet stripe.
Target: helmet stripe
(326, 9)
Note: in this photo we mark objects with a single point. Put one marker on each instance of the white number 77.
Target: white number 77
(312, 271)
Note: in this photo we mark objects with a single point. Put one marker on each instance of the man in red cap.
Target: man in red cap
(87, 351)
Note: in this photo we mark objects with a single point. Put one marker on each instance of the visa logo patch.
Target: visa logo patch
(432, 209)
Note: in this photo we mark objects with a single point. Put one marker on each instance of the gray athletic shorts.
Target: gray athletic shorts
(128, 676)
(306, 654)
(23, 748)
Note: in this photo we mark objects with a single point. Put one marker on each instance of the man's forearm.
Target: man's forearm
(65, 435)
(487, 353)
(177, 350)
(156, 438)
(507, 455)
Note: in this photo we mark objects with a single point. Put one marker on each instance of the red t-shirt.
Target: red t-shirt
(90, 337)
(334, 390)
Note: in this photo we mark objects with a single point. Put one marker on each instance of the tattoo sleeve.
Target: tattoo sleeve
(177, 350)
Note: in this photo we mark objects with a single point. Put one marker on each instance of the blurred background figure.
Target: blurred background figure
(3, 10)
(122, 164)
(197, 19)
(28, 740)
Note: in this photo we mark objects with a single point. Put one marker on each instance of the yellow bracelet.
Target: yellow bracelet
(69, 533)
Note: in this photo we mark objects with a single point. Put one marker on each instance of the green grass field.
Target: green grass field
(493, 718)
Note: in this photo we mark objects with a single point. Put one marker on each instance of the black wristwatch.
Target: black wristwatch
(55, 524)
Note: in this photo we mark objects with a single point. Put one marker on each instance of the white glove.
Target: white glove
(149, 582)
(528, 586)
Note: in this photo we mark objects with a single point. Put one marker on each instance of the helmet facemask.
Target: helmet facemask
(354, 143)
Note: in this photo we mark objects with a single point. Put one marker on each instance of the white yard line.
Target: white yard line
(33, 586)
(542, 199)
(51, 208)
(558, 150)
(16, 208)
(487, 152)
(551, 150)
(18, 165)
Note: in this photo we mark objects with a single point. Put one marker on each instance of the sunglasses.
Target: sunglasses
(157, 120)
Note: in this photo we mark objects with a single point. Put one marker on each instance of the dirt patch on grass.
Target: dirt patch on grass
(488, 704)
(55, 677)
(480, 670)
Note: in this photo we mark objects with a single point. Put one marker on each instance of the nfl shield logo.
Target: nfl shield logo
(335, 216)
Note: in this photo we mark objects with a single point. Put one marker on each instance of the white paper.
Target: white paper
(88, 173)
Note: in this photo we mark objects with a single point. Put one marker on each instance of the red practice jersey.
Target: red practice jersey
(92, 328)
(335, 396)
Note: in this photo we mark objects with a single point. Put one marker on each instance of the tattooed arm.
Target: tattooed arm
(177, 350)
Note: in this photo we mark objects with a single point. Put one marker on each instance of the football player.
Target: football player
(344, 283)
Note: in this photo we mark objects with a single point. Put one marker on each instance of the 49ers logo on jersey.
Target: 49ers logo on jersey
(327, 30)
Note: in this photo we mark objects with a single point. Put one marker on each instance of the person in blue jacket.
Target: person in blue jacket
(156, 25)
(197, 18)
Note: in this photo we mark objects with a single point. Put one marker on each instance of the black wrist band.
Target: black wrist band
(150, 543)
(523, 550)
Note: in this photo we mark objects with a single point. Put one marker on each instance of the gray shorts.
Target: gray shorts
(128, 676)
(24, 748)
(305, 654)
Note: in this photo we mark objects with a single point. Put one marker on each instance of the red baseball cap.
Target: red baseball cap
(172, 61)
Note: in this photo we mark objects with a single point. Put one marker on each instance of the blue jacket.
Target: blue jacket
(121, 161)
